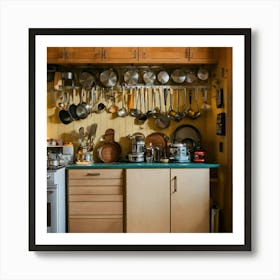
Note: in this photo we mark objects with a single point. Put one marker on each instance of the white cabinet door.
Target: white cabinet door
(190, 200)
(148, 200)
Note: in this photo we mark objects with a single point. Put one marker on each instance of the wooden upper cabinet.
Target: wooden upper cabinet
(104, 55)
(163, 55)
(120, 55)
(92, 55)
(202, 55)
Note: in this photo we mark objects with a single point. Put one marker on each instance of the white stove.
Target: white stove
(56, 200)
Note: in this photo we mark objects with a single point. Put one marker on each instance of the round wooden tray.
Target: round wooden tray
(109, 152)
(157, 139)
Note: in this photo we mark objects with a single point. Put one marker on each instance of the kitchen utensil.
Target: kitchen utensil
(64, 114)
(131, 77)
(171, 112)
(109, 152)
(184, 132)
(162, 119)
(108, 78)
(61, 103)
(200, 154)
(101, 106)
(190, 76)
(178, 76)
(163, 77)
(205, 105)
(197, 112)
(156, 139)
(86, 79)
(149, 77)
(141, 117)
(122, 112)
(156, 109)
(202, 74)
(179, 153)
(81, 110)
(190, 111)
(57, 83)
(139, 157)
(67, 79)
(178, 115)
(73, 109)
(134, 112)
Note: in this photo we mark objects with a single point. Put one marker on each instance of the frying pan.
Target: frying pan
(81, 109)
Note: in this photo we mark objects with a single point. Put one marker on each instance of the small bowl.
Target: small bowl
(164, 160)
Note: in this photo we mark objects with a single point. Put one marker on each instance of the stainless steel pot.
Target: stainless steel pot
(139, 157)
(108, 78)
(179, 152)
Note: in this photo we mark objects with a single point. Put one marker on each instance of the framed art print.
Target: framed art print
(140, 139)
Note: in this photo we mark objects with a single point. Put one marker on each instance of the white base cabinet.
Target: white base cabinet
(167, 200)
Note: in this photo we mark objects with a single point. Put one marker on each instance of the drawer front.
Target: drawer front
(93, 197)
(96, 225)
(95, 173)
(95, 208)
(89, 190)
(95, 182)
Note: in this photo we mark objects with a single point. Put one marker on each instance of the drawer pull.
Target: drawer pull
(93, 174)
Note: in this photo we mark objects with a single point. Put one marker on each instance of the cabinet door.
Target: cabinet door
(120, 55)
(202, 55)
(148, 200)
(55, 55)
(163, 55)
(190, 197)
(83, 55)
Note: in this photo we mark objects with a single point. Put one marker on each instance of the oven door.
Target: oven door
(52, 220)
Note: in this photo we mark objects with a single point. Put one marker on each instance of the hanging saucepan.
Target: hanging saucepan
(72, 108)
(149, 77)
(108, 78)
(178, 76)
(163, 77)
(81, 109)
(131, 77)
(64, 115)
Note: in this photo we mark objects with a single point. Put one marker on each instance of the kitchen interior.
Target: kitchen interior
(139, 139)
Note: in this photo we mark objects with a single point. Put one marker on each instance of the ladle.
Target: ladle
(142, 117)
(155, 110)
(163, 120)
(190, 112)
(205, 105)
(197, 112)
(171, 112)
(122, 112)
(178, 116)
(135, 112)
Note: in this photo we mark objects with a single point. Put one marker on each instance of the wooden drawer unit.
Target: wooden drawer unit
(95, 200)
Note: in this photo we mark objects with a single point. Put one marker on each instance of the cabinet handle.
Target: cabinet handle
(93, 174)
(104, 54)
(134, 53)
(175, 184)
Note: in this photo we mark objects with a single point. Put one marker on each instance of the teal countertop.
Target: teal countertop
(127, 165)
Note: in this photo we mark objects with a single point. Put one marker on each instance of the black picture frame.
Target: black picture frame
(34, 33)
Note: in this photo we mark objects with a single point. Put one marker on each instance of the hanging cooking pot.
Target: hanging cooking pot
(81, 109)
(178, 76)
(190, 76)
(131, 77)
(163, 77)
(108, 78)
(73, 108)
(64, 114)
(149, 77)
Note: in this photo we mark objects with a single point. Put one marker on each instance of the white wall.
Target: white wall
(17, 262)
